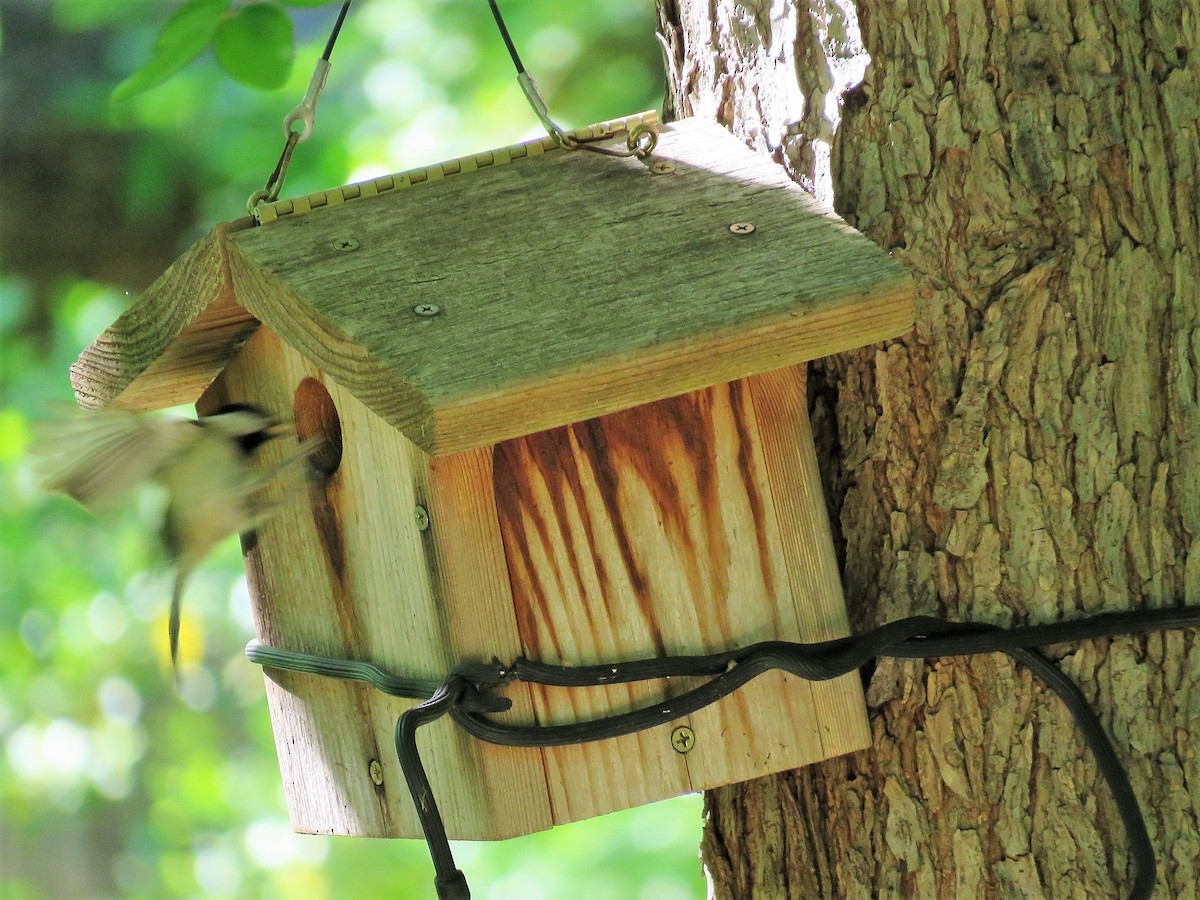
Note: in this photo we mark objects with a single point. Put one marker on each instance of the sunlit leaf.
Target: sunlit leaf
(186, 33)
(308, 2)
(256, 46)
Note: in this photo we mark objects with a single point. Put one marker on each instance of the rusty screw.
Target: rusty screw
(376, 771)
(741, 228)
(428, 310)
(662, 167)
(683, 739)
(345, 244)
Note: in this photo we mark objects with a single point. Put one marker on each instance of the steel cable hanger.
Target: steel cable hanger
(304, 116)
(641, 139)
(298, 125)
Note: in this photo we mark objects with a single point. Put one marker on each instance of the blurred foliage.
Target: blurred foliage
(110, 784)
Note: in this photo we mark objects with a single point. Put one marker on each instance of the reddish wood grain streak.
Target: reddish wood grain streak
(643, 483)
(593, 440)
(748, 466)
(324, 502)
(518, 513)
(670, 447)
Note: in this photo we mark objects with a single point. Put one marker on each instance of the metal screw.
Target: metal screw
(662, 167)
(741, 227)
(428, 310)
(345, 244)
(376, 771)
(422, 517)
(683, 739)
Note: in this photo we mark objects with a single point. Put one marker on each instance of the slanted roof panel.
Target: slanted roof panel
(569, 285)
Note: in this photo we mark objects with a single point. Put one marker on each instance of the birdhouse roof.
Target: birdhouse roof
(475, 301)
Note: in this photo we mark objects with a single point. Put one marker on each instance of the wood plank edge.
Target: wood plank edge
(146, 359)
(319, 340)
(668, 370)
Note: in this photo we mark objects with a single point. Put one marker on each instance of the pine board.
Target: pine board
(346, 572)
(569, 286)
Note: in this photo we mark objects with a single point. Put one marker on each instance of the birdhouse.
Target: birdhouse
(564, 412)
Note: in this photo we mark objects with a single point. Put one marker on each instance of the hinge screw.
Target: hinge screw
(345, 244)
(428, 310)
(683, 739)
(422, 516)
(741, 228)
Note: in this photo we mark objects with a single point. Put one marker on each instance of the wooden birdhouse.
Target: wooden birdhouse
(564, 404)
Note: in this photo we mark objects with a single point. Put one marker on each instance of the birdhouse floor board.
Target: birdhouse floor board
(688, 525)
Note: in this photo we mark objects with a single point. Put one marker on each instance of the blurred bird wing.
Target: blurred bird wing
(96, 457)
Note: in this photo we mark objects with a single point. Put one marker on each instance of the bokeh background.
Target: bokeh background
(112, 785)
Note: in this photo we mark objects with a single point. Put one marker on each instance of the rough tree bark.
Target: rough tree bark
(1030, 452)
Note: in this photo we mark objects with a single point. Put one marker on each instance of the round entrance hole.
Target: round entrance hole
(317, 417)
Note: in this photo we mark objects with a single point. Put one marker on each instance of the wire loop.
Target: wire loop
(639, 145)
(304, 116)
(468, 696)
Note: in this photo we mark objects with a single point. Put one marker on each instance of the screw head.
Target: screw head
(421, 514)
(741, 228)
(345, 244)
(428, 310)
(683, 739)
(376, 771)
(662, 167)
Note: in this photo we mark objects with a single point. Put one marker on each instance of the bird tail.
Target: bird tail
(173, 621)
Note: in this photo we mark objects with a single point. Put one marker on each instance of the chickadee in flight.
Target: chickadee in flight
(205, 465)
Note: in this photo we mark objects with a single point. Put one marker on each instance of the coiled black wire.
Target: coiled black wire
(467, 695)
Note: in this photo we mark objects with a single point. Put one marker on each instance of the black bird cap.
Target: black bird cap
(249, 442)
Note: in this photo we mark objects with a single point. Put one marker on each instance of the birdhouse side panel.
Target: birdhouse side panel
(656, 531)
(348, 570)
(780, 401)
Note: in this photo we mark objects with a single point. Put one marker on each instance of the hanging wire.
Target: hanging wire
(298, 124)
(640, 141)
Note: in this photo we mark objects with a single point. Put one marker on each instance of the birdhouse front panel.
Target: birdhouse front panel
(670, 529)
(653, 531)
(564, 419)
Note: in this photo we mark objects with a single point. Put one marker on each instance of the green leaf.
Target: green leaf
(306, 2)
(81, 15)
(256, 46)
(182, 38)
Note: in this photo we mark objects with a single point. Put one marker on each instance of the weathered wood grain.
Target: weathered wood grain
(661, 530)
(346, 571)
(570, 286)
(170, 345)
(1030, 453)
(781, 407)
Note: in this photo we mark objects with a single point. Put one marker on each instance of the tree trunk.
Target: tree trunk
(1029, 453)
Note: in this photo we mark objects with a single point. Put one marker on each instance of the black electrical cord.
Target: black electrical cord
(463, 695)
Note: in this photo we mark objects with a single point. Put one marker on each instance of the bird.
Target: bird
(206, 466)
